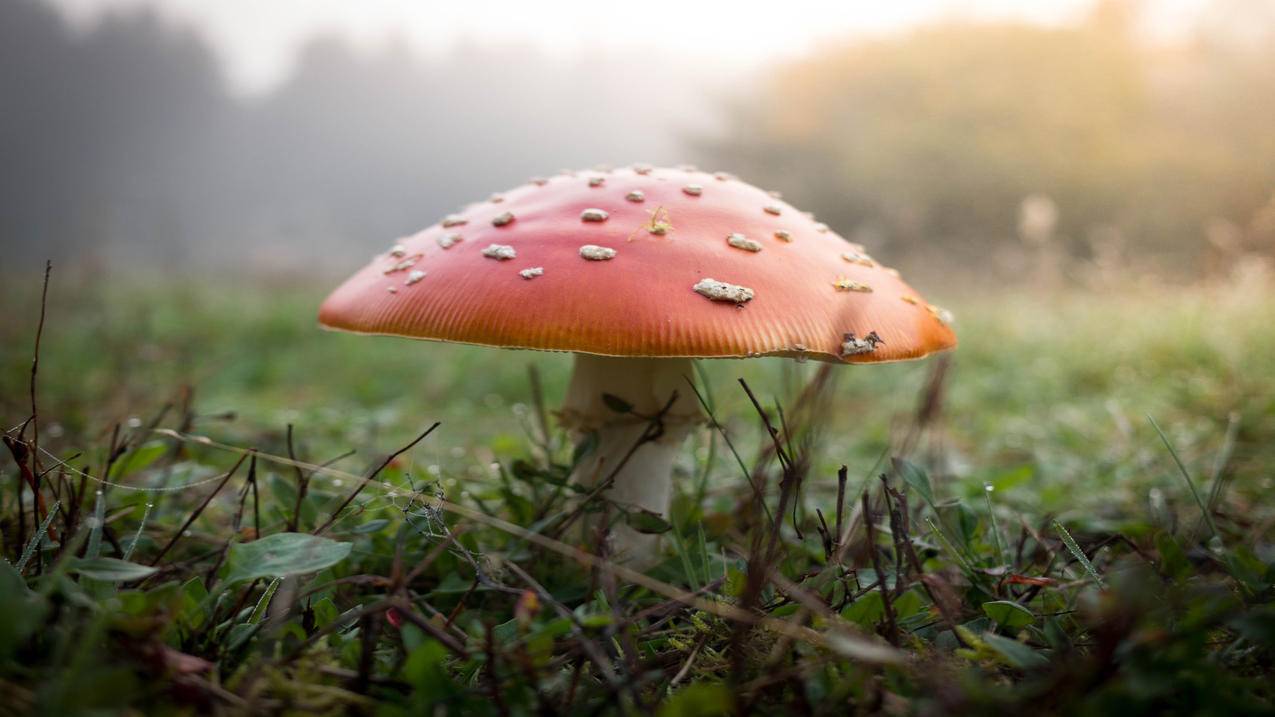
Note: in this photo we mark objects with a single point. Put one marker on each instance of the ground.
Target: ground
(1038, 541)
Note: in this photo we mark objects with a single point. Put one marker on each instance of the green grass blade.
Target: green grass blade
(1079, 554)
(1186, 475)
(259, 611)
(128, 553)
(94, 548)
(996, 529)
(34, 543)
(969, 569)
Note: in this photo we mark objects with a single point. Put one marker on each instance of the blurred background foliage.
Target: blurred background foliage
(1055, 152)
(973, 136)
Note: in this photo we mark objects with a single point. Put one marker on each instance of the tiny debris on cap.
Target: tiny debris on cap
(844, 284)
(773, 209)
(858, 257)
(415, 276)
(693, 189)
(688, 168)
(941, 313)
(539, 181)
(636, 196)
(594, 215)
(776, 194)
(404, 264)
(453, 221)
(500, 252)
(495, 199)
(910, 299)
(531, 272)
(821, 228)
(642, 168)
(392, 289)
(850, 346)
(721, 291)
(447, 241)
(596, 181)
(723, 176)
(739, 241)
(783, 235)
(593, 252)
(398, 250)
(502, 219)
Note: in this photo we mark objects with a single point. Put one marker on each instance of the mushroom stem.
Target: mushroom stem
(638, 432)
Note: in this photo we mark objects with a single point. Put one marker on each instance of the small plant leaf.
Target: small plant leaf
(914, 476)
(1009, 614)
(699, 700)
(111, 570)
(617, 404)
(372, 526)
(1014, 653)
(644, 521)
(283, 554)
(138, 459)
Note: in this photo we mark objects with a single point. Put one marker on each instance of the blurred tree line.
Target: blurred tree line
(1007, 144)
(1011, 146)
(124, 144)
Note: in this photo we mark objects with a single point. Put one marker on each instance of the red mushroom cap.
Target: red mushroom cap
(641, 262)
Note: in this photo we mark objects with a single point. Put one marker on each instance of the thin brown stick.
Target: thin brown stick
(302, 484)
(358, 488)
(35, 369)
(208, 499)
(892, 628)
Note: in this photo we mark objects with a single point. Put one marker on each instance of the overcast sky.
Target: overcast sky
(257, 39)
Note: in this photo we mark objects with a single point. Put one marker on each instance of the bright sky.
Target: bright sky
(257, 39)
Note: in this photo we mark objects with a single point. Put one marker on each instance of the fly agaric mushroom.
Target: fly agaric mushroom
(638, 275)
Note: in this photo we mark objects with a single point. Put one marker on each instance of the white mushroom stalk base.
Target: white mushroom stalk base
(639, 471)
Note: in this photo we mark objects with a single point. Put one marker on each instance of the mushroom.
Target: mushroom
(637, 320)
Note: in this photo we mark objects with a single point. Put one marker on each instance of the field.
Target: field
(1070, 514)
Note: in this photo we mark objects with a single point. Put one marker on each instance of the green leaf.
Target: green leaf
(867, 611)
(699, 700)
(281, 555)
(915, 476)
(111, 570)
(529, 473)
(425, 670)
(1009, 614)
(617, 404)
(1014, 653)
(1173, 560)
(138, 459)
(644, 521)
(372, 526)
(259, 611)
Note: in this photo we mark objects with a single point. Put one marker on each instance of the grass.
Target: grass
(1034, 542)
